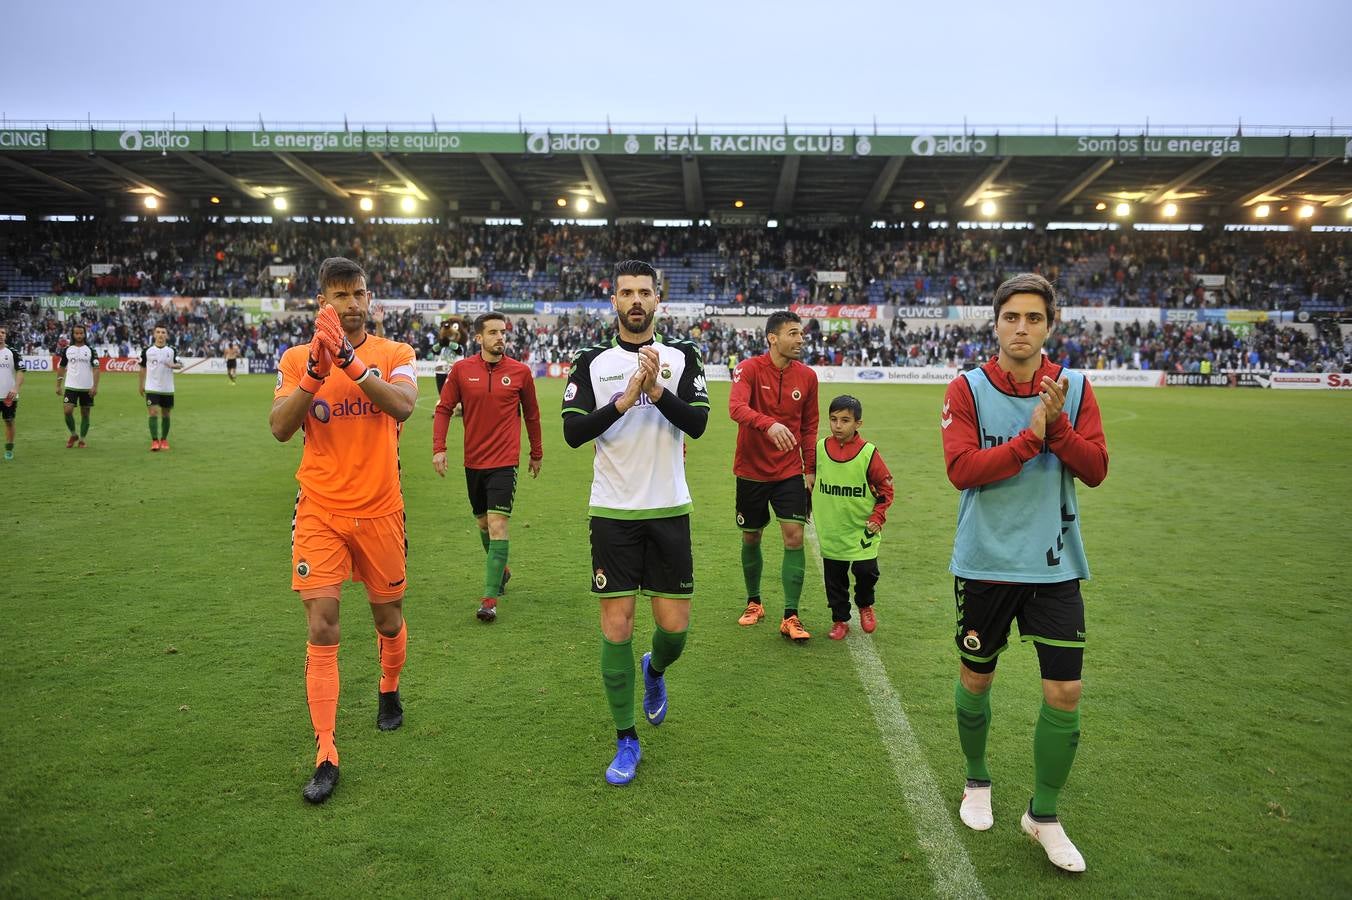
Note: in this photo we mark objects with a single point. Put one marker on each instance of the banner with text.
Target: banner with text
(547, 142)
(821, 311)
(1311, 381)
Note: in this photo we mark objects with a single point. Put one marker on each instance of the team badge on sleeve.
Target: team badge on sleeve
(279, 380)
(570, 392)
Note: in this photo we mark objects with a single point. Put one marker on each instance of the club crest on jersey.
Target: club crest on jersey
(570, 392)
(971, 640)
(303, 569)
(279, 380)
(599, 579)
(797, 394)
(666, 370)
(507, 380)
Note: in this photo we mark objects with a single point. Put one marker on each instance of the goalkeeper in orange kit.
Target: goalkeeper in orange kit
(350, 392)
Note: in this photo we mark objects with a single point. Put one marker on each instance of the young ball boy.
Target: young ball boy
(849, 506)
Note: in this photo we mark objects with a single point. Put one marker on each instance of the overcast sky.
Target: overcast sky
(840, 62)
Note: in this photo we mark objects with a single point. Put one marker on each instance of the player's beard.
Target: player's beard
(647, 323)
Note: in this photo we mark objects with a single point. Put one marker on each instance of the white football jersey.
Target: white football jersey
(10, 365)
(80, 363)
(158, 364)
(639, 469)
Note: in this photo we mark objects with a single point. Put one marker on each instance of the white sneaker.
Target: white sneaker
(975, 811)
(1052, 837)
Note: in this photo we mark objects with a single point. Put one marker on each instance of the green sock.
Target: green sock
(70, 423)
(617, 673)
(1055, 741)
(483, 538)
(84, 425)
(164, 426)
(667, 647)
(752, 565)
(493, 566)
(791, 573)
(974, 723)
(154, 428)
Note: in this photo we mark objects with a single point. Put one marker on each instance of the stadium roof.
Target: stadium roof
(830, 175)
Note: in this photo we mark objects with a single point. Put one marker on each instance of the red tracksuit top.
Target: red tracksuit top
(761, 396)
(1083, 448)
(495, 397)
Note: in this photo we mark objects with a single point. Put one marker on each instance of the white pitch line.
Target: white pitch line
(953, 872)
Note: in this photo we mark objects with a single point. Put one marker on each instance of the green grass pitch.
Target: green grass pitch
(155, 736)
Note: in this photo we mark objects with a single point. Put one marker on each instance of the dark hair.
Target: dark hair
(635, 267)
(338, 270)
(1027, 283)
(846, 402)
(485, 318)
(778, 320)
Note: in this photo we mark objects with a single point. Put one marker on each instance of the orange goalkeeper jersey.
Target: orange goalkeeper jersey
(350, 463)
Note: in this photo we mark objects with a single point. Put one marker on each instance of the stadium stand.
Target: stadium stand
(899, 266)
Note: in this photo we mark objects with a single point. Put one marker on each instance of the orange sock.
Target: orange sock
(392, 651)
(321, 691)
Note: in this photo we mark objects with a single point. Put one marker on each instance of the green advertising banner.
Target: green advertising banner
(548, 142)
(514, 306)
(75, 301)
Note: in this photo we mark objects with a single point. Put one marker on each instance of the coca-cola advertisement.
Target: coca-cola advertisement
(824, 311)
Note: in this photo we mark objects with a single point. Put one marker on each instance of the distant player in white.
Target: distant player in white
(77, 381)
(11, 379)
(158, 365)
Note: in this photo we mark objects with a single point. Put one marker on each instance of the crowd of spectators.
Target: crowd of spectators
(897, 265)
(207, 328)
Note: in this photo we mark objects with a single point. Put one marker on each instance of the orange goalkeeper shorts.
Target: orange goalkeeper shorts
(329, 548)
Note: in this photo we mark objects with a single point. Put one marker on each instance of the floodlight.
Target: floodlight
(408, 204)
(152, 202)
(583, 204)
(1262, 211)
(367, 204)
(988, 208)
(919, 204)
(1306, 211)
(1170, 210)
(1122, 210)
(279, 203)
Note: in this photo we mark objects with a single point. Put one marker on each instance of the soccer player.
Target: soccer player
(448, 350)
(350, 392)
(79, 373)
(11, 380)
(774, 403)
(1017, 432)
(231, 360)
(637, 398)
(853, 492)
(496, 392)
(158, 365)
